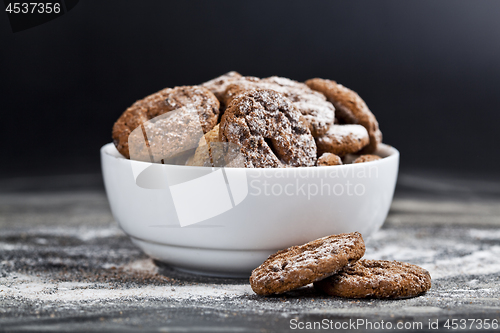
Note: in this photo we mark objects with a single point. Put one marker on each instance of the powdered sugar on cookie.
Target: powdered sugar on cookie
(298, 266)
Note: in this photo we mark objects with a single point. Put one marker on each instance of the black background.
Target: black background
(429, 70)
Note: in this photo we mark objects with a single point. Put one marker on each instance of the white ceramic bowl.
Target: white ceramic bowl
(226, 222)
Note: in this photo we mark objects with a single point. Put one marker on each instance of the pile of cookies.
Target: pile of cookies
(334, 265)
(275, 121)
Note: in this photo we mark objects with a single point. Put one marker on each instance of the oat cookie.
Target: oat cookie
(377, 279)
(343, 139)
(329, 159)
(269, 129)
(350, 108)
(313, 105)
(298, 266)
(169, 99)
(367, 158)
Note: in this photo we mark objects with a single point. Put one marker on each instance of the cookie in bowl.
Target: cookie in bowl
(221, 176)
(269, 129)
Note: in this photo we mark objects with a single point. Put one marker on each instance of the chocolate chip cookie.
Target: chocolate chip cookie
(350, 108)
(193, 97)
(343, 139)
(298, 266)
(366, 158)
(377, 279)
(319, 113)
(218, 85)
(269, 129)
(329, 159)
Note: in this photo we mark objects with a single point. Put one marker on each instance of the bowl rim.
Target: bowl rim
(391, 153)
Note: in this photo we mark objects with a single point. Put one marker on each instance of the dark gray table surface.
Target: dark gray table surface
(65, 265)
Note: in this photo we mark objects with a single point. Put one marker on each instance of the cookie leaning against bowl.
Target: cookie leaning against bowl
(269, 129)
(350, 108)
(163, 101)
(298, 266)
(377, 279)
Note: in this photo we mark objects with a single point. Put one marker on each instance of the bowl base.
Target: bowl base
(213, 274)
(203, 261)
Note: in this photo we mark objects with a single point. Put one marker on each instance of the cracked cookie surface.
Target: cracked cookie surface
(318, 112)
(269, 129)
(377, 279)
(298, 266)
(192, 97)
(350, 108)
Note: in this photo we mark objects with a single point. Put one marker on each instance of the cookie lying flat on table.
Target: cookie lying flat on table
(269, 129)
(329, 159)
(350, 108)
(367, 158)
(298, 266)
(377, 279)
(169, 99)
(343, 139)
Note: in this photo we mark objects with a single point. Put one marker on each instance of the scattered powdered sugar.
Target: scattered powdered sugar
(13, 247)
(83, 233)
(443, 256)
(86, 235)
(78, 292)
(144, 266)
(396, 252)
(36, 288)
(485, 261)
(485, 234)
